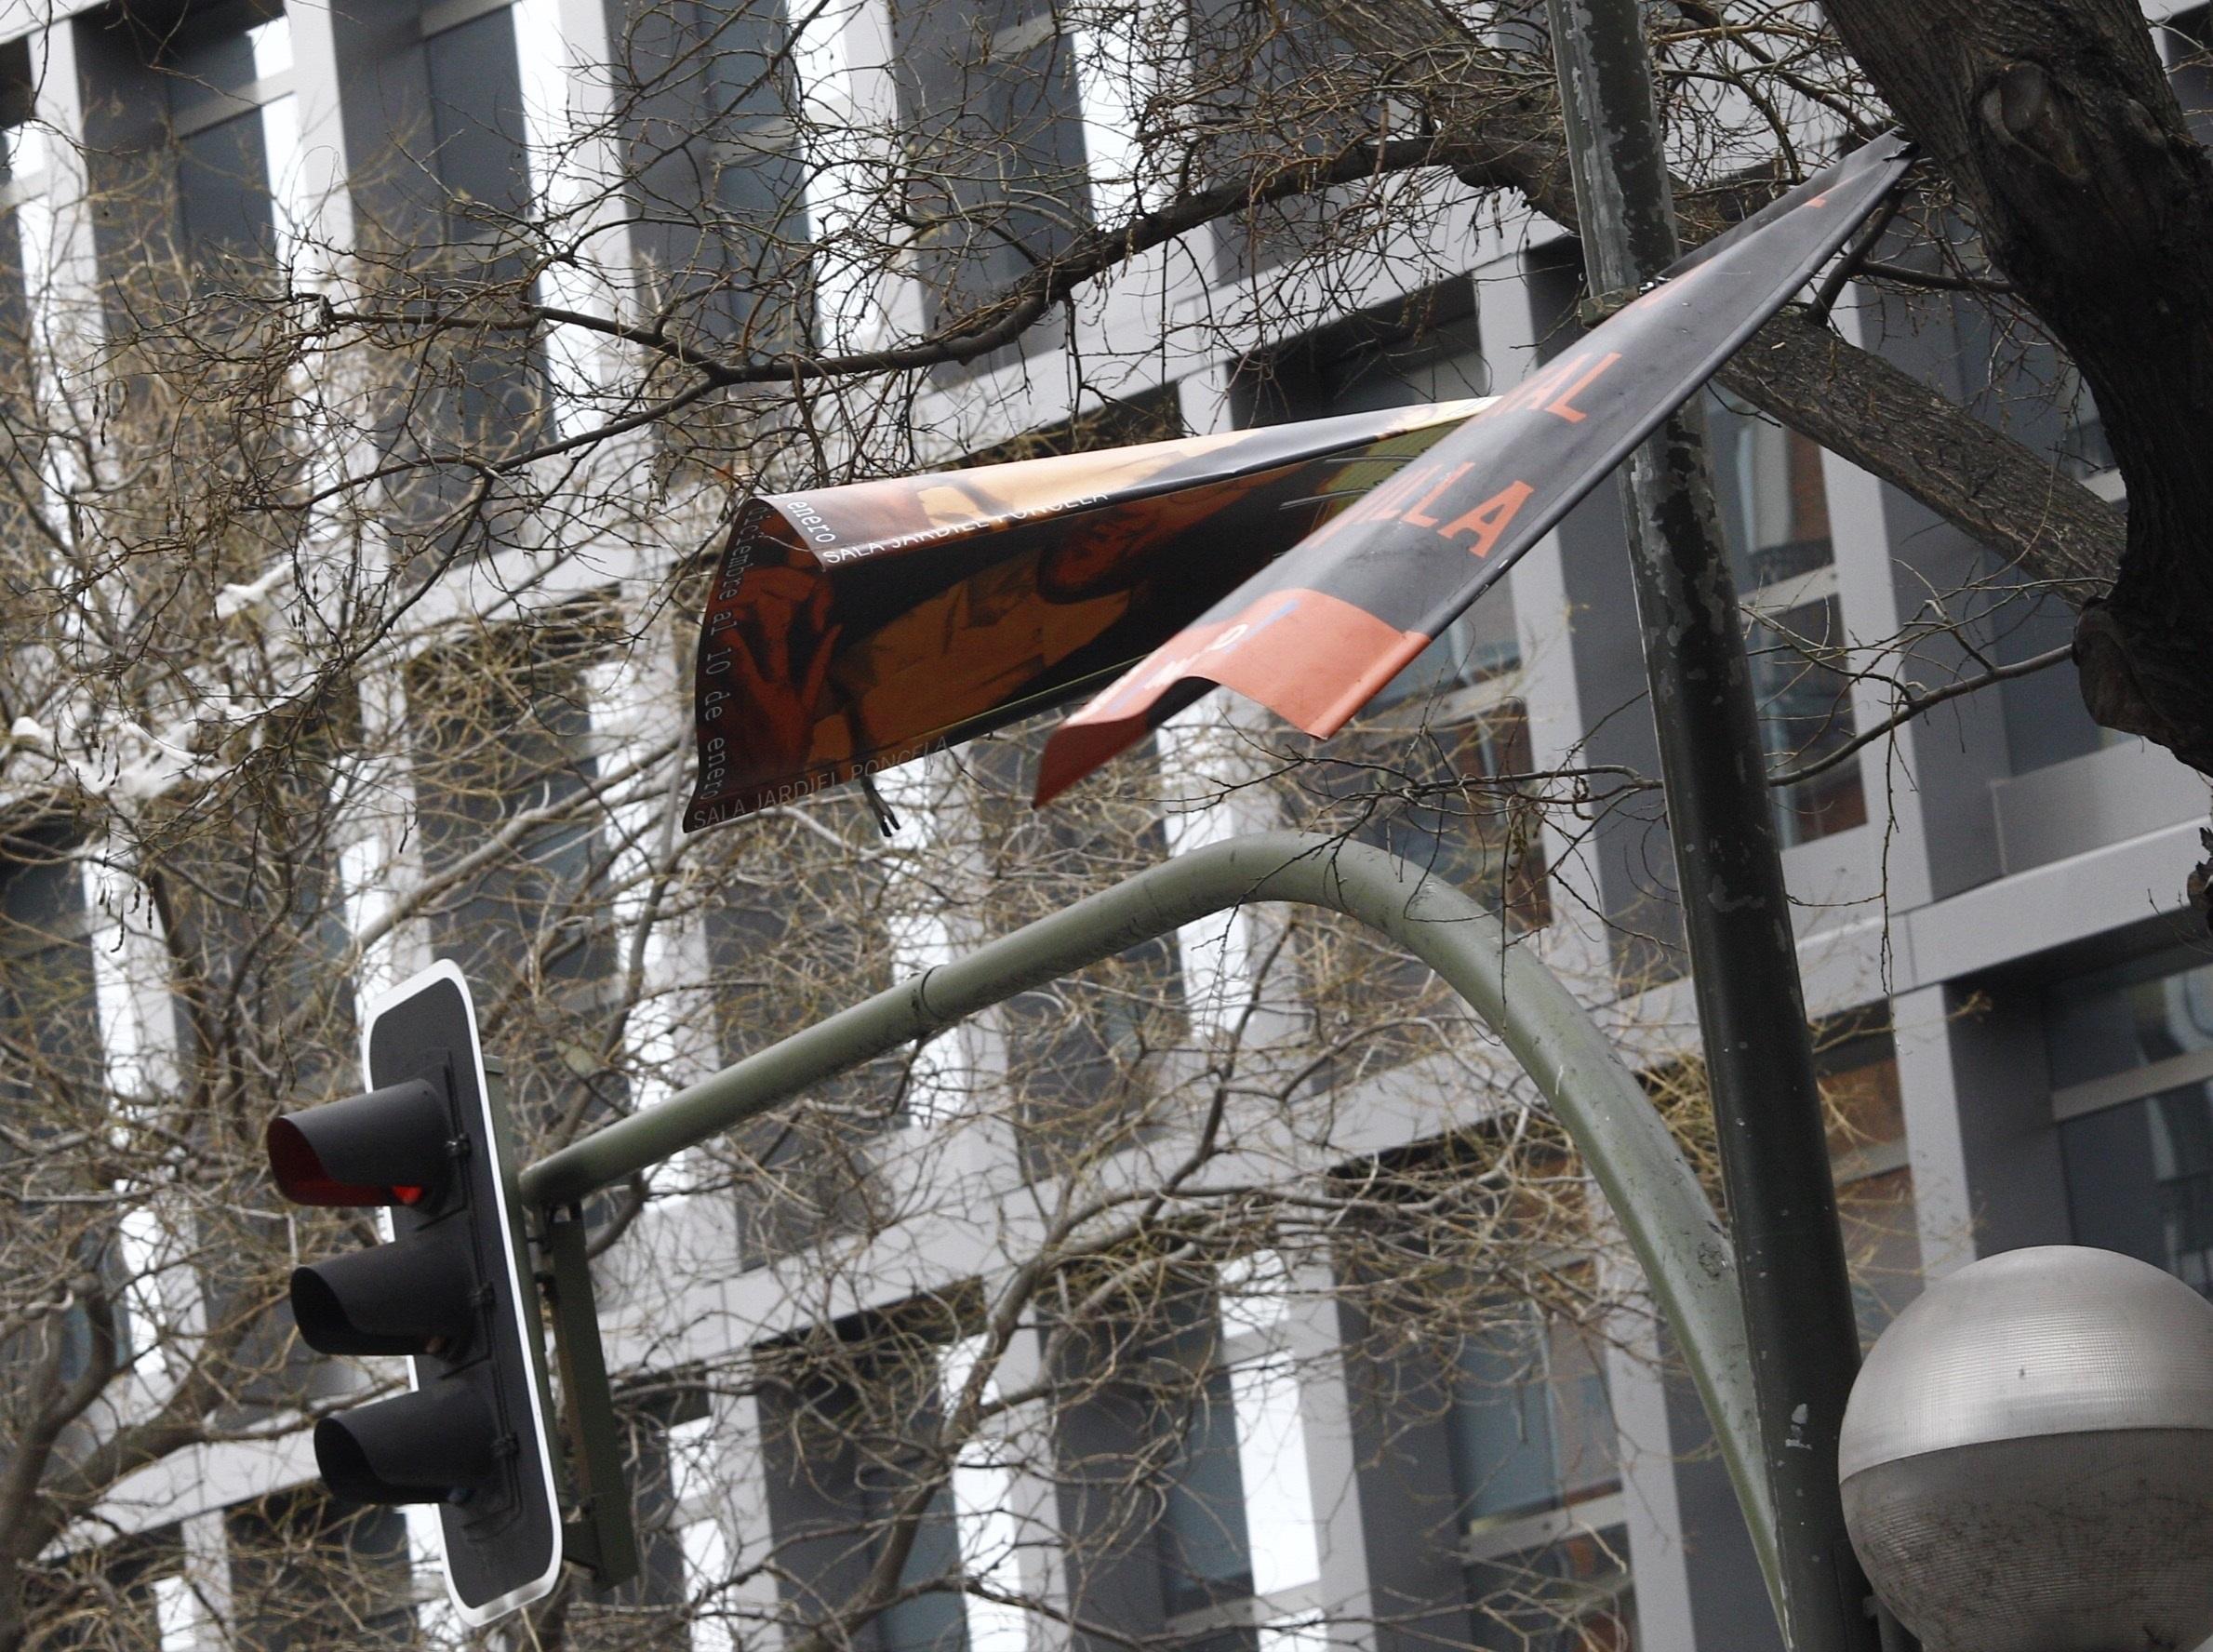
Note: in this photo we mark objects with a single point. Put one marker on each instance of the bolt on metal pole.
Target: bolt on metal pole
(1782, 1201)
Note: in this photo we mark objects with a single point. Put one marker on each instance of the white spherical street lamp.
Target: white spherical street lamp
(2027, 1457)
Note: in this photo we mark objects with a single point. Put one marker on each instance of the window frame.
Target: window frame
(2133, 1084)
(2140, 1083)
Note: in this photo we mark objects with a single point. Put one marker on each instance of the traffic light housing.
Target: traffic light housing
(452, 1291)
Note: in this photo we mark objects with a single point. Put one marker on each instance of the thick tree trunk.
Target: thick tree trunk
(2054, 121)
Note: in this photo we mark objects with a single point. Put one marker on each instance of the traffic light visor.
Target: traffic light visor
(414, 1298)
(435, 1446)
(388, 1146)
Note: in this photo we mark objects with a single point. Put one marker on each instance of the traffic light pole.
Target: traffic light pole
(1653, 1191)
(1737, 918)
(603, 1539)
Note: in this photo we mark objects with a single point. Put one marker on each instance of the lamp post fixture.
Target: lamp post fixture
(2027, 1457)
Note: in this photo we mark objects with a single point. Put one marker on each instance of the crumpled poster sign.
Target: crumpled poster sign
(851, 629)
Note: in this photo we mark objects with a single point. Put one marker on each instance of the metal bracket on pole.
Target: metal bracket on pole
(602, 1539)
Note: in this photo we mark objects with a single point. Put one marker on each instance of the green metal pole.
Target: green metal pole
(603, 1539)
(1653, 1191)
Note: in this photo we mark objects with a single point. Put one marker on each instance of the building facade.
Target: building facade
(1230, 1428)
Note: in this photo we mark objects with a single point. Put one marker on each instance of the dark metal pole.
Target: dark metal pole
(1737, 917)
(603, 1539)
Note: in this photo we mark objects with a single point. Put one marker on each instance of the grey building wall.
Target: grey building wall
(2011, 848)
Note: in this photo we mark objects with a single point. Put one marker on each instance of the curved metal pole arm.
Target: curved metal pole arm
(1654, 1195)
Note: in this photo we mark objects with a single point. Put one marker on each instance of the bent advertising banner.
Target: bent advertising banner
(850, 629)
(1317, 633)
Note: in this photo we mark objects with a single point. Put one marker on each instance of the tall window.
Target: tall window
(1421, 772)
(478, 154)
(509, 825)
(1269, 88)
(1203, 1542)
(194, 146)
(256, 915)
(503, 769)
(1185, 1495)
(795, 931)
(1775, 514)
(853, 1428)
(192, 151)
(52, 1081)
(1531, 1427)
(27, 333)
(232, 108)
(2130, 1051)
(2184, 41)
(2046, 720)
(257, 935)
(1477, 1331)
(45, 464)
(1536, 1463)
(1857, 1066)
(440, 184)
(998, 178)
(476, 146)
(714, 161)
(1428, 777)
(48, 997)
(1863, 1110)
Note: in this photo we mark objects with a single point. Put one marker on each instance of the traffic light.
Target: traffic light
(451, 1291)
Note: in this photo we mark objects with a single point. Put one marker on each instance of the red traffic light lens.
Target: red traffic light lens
(301, 1179)
(391, 1146)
